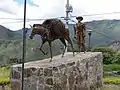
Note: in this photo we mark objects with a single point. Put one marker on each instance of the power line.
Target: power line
(70, 20)
(97, 14)
(12, 22)
(64, 17)
(98, 32)
(104, 35)
(29, 20)
(12, 18)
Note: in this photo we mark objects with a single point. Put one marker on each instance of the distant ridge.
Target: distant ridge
(110, 28)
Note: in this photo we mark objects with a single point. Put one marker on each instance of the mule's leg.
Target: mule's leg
(43, 42)
(63, 41)
(50, 45)
(70, 42)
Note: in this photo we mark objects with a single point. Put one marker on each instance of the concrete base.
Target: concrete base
(82, 72)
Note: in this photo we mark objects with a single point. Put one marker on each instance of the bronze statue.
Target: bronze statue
(79, 32)
(50, 30)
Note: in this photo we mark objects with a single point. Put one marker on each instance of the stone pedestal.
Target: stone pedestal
(82, 72)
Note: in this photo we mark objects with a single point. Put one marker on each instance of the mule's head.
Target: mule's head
(36, 29)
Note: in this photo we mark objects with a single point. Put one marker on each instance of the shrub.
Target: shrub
(4, 81)
(4, 76)
(108, 54)
(117, 58)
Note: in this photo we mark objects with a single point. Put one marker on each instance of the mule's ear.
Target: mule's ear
(31, 26)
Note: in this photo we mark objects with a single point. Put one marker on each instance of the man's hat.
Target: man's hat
(79, 18)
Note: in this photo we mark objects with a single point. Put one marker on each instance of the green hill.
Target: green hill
(7, 34)
(12, 50)
(104, 32)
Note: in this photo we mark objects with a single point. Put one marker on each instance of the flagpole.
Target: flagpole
(24, 46)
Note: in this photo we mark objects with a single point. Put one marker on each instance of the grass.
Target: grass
(111, 70)
(112, 80)
(111, 67)
(4, 76)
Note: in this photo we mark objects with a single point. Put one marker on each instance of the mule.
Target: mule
(50, 30)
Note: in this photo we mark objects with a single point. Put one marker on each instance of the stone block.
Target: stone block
(82, 72)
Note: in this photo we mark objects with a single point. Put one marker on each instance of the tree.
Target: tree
(117, 58)
(108, 54)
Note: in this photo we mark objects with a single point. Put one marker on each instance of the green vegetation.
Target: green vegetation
(11, 48)
(112, 80)
(11, 43)
(117, 58)
(111, 67)
(108, 54)
(4, 76)
(11, 51)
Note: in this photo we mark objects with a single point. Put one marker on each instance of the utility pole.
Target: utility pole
(68, 10)
(24, 46)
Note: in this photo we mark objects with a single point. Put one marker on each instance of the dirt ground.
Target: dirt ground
(106, 87)
(111, 87)
(5, 88)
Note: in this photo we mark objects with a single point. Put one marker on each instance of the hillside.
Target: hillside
(7, 34)
(104, 32)
(115, 45)
(12, 50)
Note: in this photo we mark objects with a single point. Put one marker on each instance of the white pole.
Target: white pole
(67, 17)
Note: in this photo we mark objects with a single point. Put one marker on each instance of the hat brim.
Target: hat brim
(79, 18)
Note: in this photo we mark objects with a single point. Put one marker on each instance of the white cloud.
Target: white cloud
(9, 6)
(56, 8)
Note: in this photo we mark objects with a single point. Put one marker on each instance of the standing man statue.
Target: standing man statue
(79, 34)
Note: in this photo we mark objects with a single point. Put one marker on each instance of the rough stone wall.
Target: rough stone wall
(82, 72)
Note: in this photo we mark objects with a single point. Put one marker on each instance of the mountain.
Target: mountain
(115, 45)
(7, 34)
(104, 32)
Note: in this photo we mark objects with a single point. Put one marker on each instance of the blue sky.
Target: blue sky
(21, 1)
(28, 2)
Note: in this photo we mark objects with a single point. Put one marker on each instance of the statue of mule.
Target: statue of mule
(50, 30)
